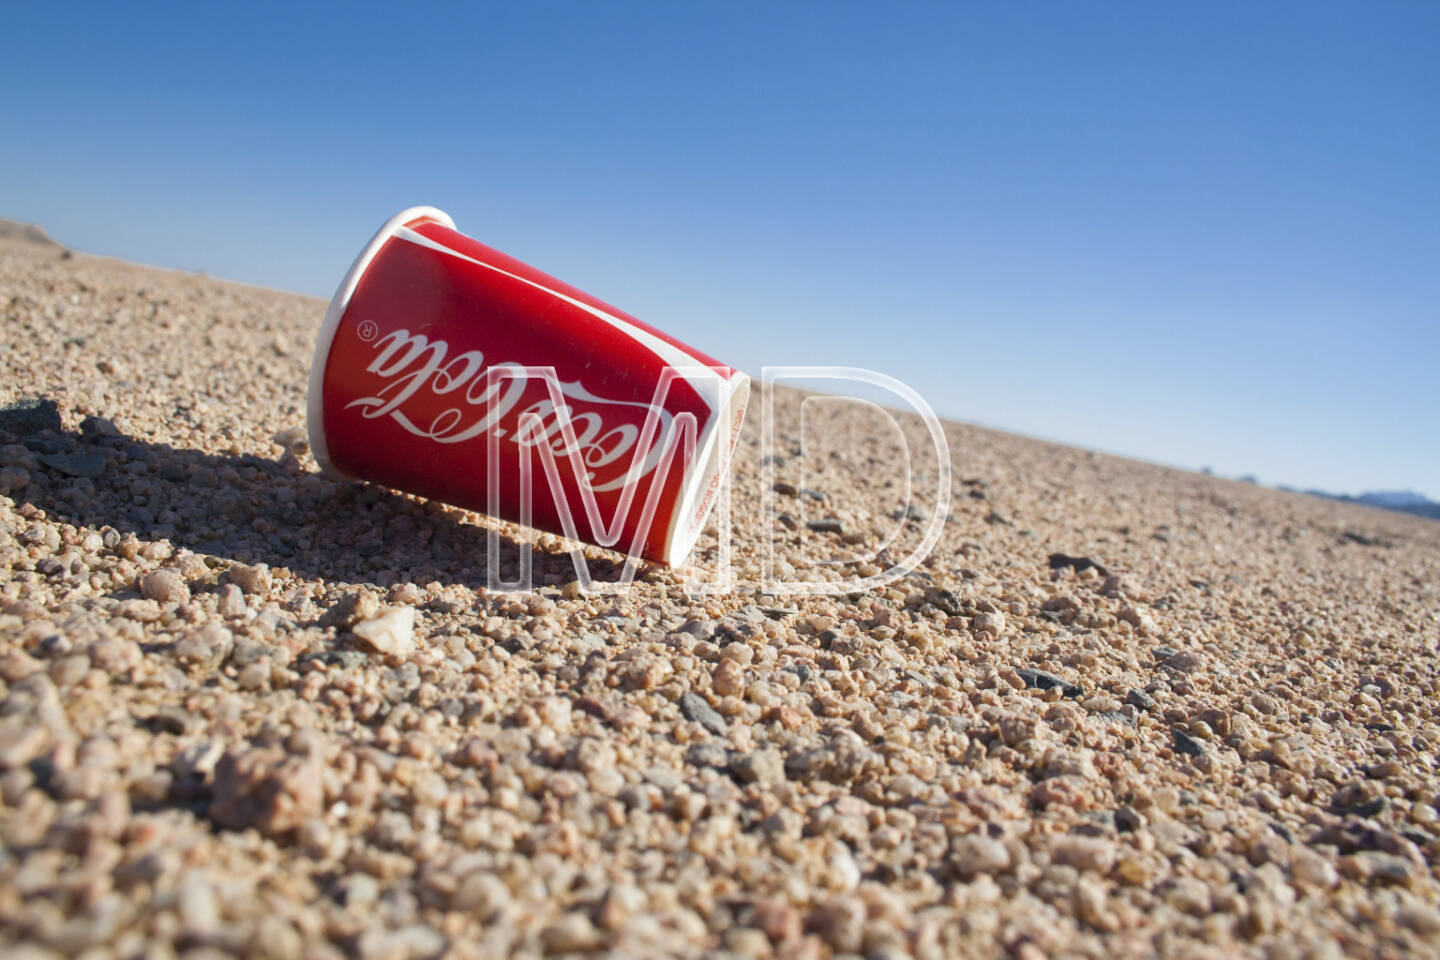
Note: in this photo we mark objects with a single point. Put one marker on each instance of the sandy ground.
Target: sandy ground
(219, 737)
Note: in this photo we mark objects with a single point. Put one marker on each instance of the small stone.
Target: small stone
(728, 678)
(358, 890)
(1422, 918)
(1140, 700)
(1137, 618)
(1264, 703)
(841, 923)
(197, 904)
(1044, 680)
(976, 853)
(391, 634)
(1086, 854)
(294, 440)
(991, 624)
(142, 611)
(759, 766)
(20, 745)
(231, 603)
(1186, 661)
(1128, 819)
(1192, 896)
(265, 789)
(707, 753)
(254, 580)
(572, 933)
(206, 646)
(786, 489)
(697, 710)
(826, 525)
(88, 465)
(1375, 866)
(351, 610)
(164, 586)
(481, 893)
(13, 479)
(18, 455)
(1313, 869)
(1186, 744)
(621, 902)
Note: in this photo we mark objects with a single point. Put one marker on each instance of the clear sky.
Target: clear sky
(1201, 234)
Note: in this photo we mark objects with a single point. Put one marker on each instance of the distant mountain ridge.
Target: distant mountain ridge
(1402, 501)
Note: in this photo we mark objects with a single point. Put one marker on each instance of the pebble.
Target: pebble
(481, 893)
(1086, 854)
(88, 465)
(1043, 680)
(264, 789)
(826, 525)
(13, 479)
(164, 586)
(253, 580)
(1143, 623)
(351, 609)
(572, 933)
(19, 746)
(1140, 700)
(976, 853)
(759, 766)
(1376, 866)
(990, 624)
(205, 647)
(231, 603)
(1186, 744)
(391, 634)
(697, 710)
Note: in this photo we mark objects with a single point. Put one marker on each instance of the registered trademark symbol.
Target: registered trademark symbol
(369, 330)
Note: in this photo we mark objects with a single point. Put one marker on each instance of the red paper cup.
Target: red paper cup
(447, 369)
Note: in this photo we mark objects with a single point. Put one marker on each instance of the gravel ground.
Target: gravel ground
(248, 711)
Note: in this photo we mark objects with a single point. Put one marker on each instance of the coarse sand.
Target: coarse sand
(1119, 710)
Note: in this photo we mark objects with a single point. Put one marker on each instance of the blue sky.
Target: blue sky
(1201, 235)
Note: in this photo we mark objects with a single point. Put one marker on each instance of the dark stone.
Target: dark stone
(1044, 680)
(30, 416)
(88, 465)
(1140, 700)
(695, 709)
(801, 670)
(97, 428)
(1372, 808)
(1059, 561)
(708, 754)
(945, 601)
(1128, 819)
(826, 525)
(788, 489)
(1187, 744)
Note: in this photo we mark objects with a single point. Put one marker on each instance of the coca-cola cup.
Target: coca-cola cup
(447, 369)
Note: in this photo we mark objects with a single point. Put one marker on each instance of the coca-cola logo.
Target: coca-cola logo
(451, 399)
